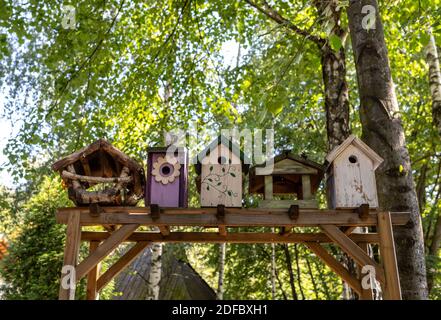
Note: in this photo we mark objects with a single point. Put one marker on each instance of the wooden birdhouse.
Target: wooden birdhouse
(167, 174)
(351, 175)
(101, 174)
(220, 167)
(3, 246)
(286, 180)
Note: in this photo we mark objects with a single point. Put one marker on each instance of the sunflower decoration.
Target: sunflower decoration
(165, 170)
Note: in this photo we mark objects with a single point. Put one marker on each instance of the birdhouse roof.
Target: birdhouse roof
(286, 154)
(100, 144)
(233, 147)
(356, 142)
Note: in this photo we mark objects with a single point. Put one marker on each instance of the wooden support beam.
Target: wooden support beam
(123, 262)
(104, 249)
(232, 237)
(306, 187)
(335, 266)
(352, 249)
(92, 276)
(268, 195)
(391, 290)
(73, 240)
(234, 217)
(348, 230)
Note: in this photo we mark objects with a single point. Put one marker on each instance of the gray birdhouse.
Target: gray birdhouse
(350, 178)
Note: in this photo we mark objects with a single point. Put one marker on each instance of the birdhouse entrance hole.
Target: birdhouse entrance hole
(223, 160)
(166, 170)
(353, 159)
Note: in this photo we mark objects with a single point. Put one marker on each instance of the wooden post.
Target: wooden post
(268, 187)
(73, 239)
(306, 187)
(92, 276)
(391, 289)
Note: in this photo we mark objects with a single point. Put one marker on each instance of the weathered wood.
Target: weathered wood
(72, 176)
(306, 187)
(92, 276)
(391, 290)
(336, 266)
(271, 204)
(233, 217)
(104, 249)
(73, 239)
(119, 266)
(232, 237)
(268, 187)
(353, 250)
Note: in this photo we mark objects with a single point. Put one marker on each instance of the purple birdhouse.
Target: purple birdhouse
(167, 176)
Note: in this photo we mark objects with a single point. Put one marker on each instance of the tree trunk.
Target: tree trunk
(220, 282)
(434, 80)
(334, 76)
(273, 271)
(299, 275)
(290, 271)
(383, 131)
(155, 272)
(311, 275)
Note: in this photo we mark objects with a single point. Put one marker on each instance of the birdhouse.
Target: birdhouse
(3, 246)
(286, 180)
(220, 167)
(167, 176)
(101, 174)
(351, 175)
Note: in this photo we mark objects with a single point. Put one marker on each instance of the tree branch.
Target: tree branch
(267, 10)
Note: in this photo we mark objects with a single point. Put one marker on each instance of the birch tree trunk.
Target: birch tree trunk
(273, 271)
(434, 80)
(155, 272)
(383, 131)
(220, 282)
(334, 75)
(432, 58)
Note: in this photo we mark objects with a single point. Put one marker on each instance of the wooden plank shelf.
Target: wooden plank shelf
(337, 228)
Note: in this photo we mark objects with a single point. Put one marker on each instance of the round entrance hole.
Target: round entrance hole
(222, 160)
(166, 170)
(353, 159)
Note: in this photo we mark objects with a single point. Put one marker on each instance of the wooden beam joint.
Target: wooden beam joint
(363, 211)
(293, 212)
(154, 211)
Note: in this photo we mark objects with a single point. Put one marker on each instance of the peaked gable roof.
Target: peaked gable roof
(286, 154)
(233, 147)
(353, 140)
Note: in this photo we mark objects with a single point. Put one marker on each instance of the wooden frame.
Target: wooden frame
(336, 226)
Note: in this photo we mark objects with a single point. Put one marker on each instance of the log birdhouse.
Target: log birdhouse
(290, 176)
(351, 175)
(101, 174)
(220, 167)
(167, 174)
(3, 247)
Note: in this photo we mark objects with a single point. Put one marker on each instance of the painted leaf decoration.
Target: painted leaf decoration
(211, 168)
(232, 174)
(209, 179)
(208, 188)
(229, 193)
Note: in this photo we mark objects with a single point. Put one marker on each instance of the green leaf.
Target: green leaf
(335, 42)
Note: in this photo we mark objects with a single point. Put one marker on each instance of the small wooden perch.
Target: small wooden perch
(73, 176)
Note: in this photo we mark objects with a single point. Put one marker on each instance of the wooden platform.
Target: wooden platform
(336, 226)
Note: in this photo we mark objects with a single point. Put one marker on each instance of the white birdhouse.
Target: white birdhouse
(220, 167)
(351, 175)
